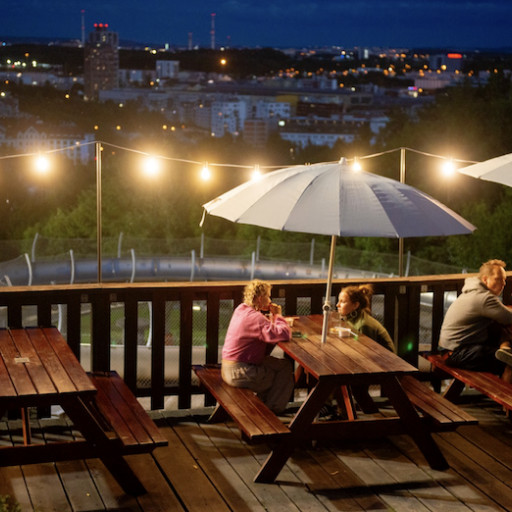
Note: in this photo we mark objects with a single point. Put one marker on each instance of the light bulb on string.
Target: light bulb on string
(42, 164)
(356, 165)
(448, 167)
(151, 166)
(256, 173)
(205, 172)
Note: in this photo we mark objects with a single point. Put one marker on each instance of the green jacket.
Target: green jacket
(371, 327)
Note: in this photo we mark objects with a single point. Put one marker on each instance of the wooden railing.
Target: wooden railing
(403, 310)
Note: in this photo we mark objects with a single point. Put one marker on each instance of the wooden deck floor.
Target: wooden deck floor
(208, 468)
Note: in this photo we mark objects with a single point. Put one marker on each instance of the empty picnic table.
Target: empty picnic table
(39, 369)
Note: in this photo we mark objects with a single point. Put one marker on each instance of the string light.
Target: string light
(356, 165)
(205, 172)
(256, 173)
(151, 166)
(42, 164)
(206, 169)
(448, 167)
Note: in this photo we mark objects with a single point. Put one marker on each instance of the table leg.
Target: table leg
(298, 426)
(413, 425)
(85, 421)
(25, 421)
(454, 389)
(344, 399)
(362, 396)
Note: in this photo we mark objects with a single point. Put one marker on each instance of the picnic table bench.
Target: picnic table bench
(125, 418)
(440, 413)
(256, 421)
(484, 382)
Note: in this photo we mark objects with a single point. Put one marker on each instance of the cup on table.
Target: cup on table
(290, 320)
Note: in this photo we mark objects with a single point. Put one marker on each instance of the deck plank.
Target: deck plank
(80, 490)
(186, 476)
(246, 466)
(222, 475)
(345, 483)
(288, 481)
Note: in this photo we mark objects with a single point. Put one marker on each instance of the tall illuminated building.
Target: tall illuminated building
(101, 66)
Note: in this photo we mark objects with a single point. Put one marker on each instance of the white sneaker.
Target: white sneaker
(504, 355)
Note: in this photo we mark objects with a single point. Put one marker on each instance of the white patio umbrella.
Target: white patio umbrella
(497, 169)
(332, 199)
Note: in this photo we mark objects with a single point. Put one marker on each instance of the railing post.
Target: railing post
(100, 335)
(185, 357)
(158, 352)
(408, 322)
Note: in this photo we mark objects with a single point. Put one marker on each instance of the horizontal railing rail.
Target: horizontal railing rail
(161, 329)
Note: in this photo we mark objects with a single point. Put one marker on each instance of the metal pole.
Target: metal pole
(98, 207)
(401, 240)
(327, 304)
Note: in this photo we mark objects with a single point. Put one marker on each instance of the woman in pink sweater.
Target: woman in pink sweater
(250, 338)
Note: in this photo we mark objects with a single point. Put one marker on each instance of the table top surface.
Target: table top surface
(38, 362)
(347, 356)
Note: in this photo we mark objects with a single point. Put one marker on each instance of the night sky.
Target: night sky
(456, 24)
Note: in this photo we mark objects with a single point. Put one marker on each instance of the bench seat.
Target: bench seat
(128, 422)
(442, 414)
(484, 382)
(256, 421)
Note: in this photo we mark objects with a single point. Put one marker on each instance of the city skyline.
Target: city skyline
(284, 23)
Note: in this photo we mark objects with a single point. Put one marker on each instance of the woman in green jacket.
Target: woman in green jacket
(354, 307)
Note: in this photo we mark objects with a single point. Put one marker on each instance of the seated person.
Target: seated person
(354, 307)
(250, 338)
(476, 330)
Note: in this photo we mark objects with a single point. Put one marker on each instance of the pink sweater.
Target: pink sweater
(248, 334)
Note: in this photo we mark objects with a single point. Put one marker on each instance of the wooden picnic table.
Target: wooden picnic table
(38, 369)
(355, 361)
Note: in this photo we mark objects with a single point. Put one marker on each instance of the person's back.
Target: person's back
(468, 318)
(473, 327)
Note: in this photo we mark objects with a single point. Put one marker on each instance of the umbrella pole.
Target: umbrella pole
(327, 304)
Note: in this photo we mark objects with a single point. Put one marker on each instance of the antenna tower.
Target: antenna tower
(212, 32)
(82, 12)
